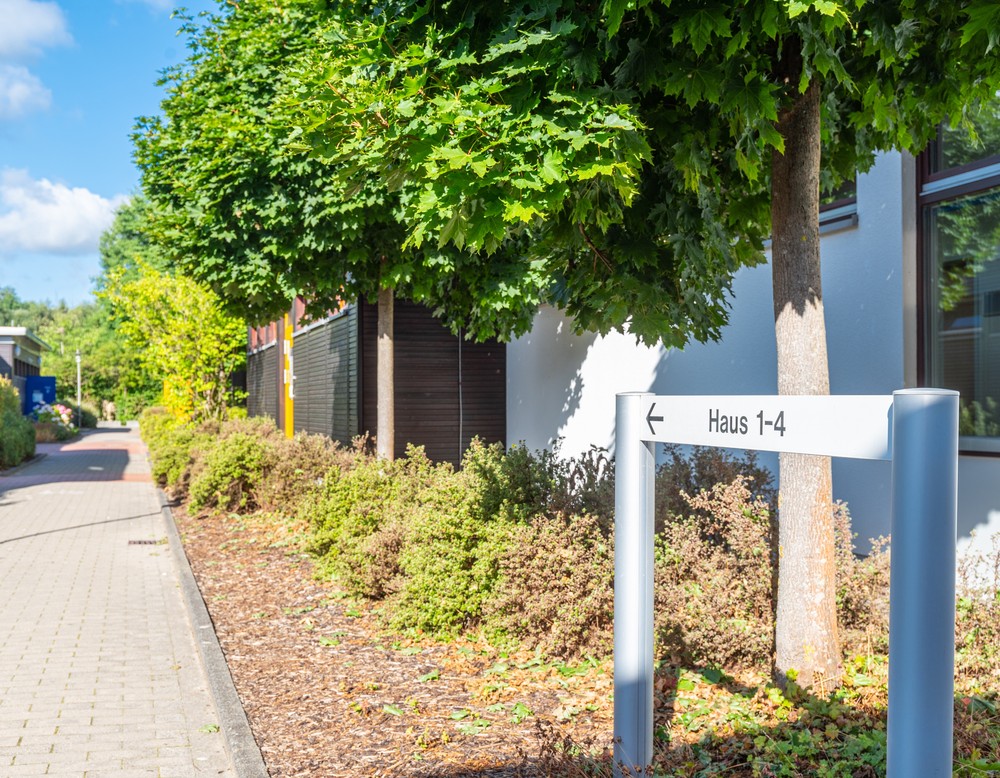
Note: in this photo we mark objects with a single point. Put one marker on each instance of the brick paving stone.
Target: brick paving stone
(99, 671)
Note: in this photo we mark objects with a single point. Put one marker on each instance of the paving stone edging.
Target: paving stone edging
(240, 743)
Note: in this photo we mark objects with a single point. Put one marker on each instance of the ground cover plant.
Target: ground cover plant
(457, 621)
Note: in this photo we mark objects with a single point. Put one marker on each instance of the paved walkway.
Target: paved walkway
(99, 672)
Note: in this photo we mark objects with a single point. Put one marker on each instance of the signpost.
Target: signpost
(915, 428)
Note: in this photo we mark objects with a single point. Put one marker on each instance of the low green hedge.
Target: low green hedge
(17, 434)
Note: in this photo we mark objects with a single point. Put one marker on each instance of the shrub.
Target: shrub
(450, 558)
(515, 484)
(557, 587)
(134, 404)
(862, 589)
(359, 515)
(706, 467)
(713, 587)
(169, 443)
(53, 432)
(299, 465)
(977, 617)
(17, 435)
(230, 471)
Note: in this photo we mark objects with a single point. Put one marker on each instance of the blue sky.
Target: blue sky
(74, 75)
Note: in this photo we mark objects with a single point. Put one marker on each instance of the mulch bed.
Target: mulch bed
(329, 692)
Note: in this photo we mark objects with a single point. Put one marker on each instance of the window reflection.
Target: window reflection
(957, 147)
(963, 306)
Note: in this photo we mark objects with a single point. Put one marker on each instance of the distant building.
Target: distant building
(20, 354)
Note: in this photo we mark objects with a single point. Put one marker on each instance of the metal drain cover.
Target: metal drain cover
(146, 542)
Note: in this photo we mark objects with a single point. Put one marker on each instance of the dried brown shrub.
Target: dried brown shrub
(862, 589)
(977, 617)
(299, 465)
(713, 587)
(557, 590)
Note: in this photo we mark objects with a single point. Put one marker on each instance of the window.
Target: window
(960, 273)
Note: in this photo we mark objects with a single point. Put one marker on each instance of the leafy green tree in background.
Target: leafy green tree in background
(177, 330)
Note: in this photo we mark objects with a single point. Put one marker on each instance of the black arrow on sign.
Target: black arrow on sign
(650, 418)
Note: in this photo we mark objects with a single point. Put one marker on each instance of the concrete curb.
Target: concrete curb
(240, 743)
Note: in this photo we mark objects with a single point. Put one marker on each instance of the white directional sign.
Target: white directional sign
(854, 426)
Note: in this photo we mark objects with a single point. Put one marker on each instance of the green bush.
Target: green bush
(450, 557)
(418, 533)
(230, 471)
(358, 518)
(17, 434)
(170, 443)
(134, 404)
(299, 467)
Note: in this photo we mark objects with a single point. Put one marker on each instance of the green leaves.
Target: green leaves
(615, 164)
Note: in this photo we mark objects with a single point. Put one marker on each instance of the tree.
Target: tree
(710, 128)
(128, 242)
(180, 333)
(261, 221)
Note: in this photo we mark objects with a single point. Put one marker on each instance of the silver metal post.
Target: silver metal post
(922, 583)
(634, 472)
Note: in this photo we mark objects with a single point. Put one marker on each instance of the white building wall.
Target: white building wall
(560, 385)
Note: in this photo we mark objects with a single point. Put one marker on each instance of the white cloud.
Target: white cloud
(40, 216)
(28, 26)
(21, 92)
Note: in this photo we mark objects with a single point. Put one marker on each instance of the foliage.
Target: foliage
(862, 589)
(85, 412)
(298, 466)
(449, 562)
(359, 518)
(170, 443)
(17, 435)
(679, 476)
(713, 591)
(572, 612)
(230, 204)
(179, 332)
(229, 473)
(127, 246)
(53, 423)
(107, 370)
(632, 145)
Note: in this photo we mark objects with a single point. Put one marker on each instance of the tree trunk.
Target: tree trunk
(806, 639)
(386, 404)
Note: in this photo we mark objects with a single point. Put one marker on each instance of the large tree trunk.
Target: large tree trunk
(386, 405)
(806, 637)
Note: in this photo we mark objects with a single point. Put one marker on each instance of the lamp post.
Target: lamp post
(79, 408)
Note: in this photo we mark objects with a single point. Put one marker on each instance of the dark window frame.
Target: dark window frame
(924, 201)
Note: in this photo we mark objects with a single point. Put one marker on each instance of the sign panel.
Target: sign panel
(854, 426)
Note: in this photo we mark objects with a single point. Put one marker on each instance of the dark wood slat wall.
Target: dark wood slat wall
(427, 384)
(326, 378)
(262, 388)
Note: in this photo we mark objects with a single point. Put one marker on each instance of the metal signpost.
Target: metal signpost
(917, 429)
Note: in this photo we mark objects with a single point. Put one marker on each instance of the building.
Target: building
(320, 377)
(20, 355)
